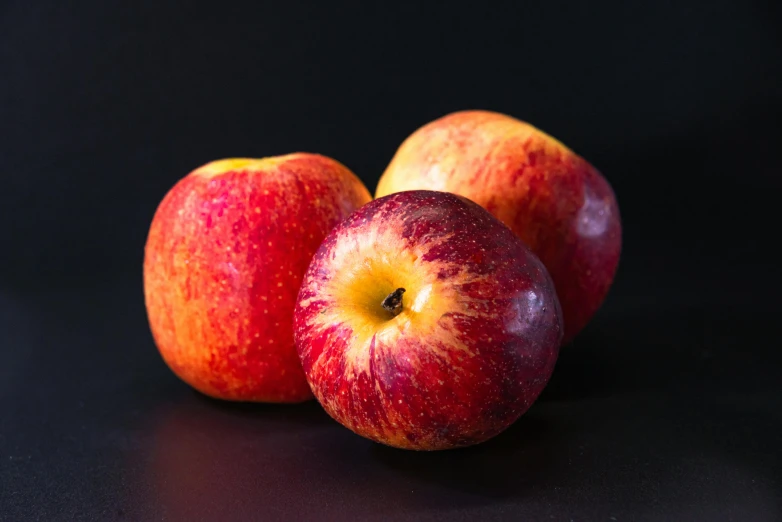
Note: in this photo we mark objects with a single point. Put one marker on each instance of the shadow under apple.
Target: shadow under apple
(509, 465)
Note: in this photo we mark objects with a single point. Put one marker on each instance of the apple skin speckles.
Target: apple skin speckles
(224, 259)
(553, 199)
(476, 340)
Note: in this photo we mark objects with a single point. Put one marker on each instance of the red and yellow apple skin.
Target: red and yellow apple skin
(473, 346)
(562, 207)
(226, 252)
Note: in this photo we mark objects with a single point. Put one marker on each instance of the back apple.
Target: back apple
(560, 205)
(424, 323)
(224, 259)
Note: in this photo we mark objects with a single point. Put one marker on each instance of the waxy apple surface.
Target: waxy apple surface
(468, 349)
(224, 259)
(553, 199)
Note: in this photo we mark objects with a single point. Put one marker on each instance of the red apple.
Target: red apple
(549, 196)
(424, 323)
(224, 259)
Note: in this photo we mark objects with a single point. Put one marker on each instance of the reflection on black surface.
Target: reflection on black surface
(217, 460)
(608, 436)
(672, 419)
(502, 468)
(222, 461)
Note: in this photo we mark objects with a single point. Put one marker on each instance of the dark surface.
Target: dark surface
(667, 407)
(660, 411)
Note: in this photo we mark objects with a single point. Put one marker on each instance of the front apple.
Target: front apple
(225, 255)
(424, 323)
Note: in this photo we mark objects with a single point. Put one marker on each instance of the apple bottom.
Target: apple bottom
(252, 375)
(430, 402)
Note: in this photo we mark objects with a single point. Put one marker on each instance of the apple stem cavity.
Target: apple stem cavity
(393, 302)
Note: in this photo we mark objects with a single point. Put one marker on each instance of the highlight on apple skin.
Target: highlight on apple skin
(558, 203)
(424, 323)
(224, 258)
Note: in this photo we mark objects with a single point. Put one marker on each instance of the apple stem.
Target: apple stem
(393, 301)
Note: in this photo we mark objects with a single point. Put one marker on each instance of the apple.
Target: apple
(424, 323)
(560, 205)
(224, 258)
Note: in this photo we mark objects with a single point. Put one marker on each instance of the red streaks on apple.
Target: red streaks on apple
(473, 346)
(224, 259)
(549, 196)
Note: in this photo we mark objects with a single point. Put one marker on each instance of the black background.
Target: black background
(667, 407)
